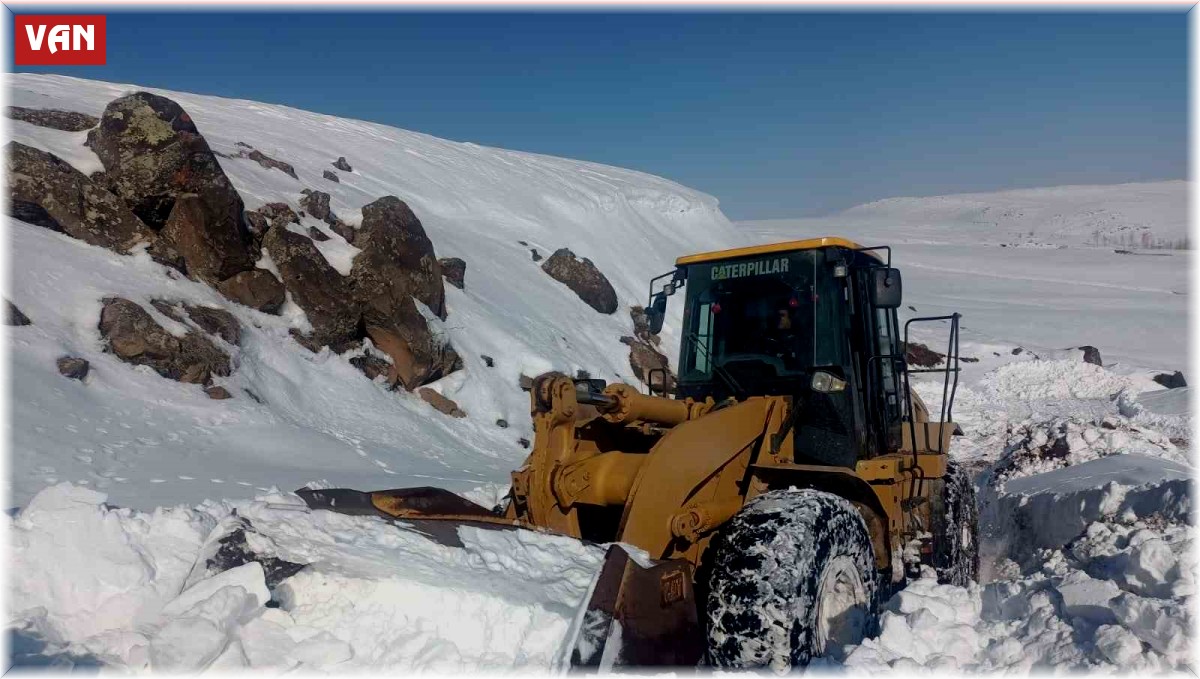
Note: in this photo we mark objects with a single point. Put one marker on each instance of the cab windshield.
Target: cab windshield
(754, 319)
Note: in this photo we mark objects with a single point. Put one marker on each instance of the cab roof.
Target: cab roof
(788, 246)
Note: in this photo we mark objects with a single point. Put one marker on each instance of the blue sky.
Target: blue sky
(777, 115)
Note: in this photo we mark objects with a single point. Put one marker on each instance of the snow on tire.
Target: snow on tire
(956, 530)
(792, 576)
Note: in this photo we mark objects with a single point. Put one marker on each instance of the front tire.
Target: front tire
(792, 578)
(956, 530)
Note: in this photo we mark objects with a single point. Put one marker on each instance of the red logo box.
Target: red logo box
(59, 40)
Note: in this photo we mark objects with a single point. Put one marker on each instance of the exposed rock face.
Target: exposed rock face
(272, 164)
(1091, 355)
(317, 287)
(331, 176)
(134, 337)
(67, 121)
(73, 367)
(342, 165)
(196, 235)
(153, 153)
(256, 288)
(316, 203)
(1171, 380)
(13, 315)
(922, 356)
(454, 270)
(440, 403)
(641, 325)
(583, 278)
(46, 189)
(217, 393)
(279, 214)
(216, 321)
(649, 365)
(393, 242)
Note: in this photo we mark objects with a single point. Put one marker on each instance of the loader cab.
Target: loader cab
(812, 320)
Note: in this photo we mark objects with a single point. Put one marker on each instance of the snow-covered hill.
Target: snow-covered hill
(136, 475)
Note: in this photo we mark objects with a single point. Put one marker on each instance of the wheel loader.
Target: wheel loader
(758, 514)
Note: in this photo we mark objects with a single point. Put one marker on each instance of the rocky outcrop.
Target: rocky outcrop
(67, 121)
(216, 321)
(583, 278)
(279, 214)
(73, 367)
(917, 354)
(649, 365)
(331, 176)
(272, 164)
(1091, 355)
(440, 403)
(132, 335)
(316, 287)
(200, 239)
(1173, 380)
(14, 316)
(342, 165)
(454, 270)
(641, 325)
(256, 288)
(49, 191)
(316, 203)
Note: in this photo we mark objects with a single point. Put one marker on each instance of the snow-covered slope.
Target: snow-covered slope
(147, 441)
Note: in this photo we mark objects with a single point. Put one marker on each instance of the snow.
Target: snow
(124, 485)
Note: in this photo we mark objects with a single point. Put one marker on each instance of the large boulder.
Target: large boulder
(322, 292)
(208, 251)
(48, 191)
(316, 203)
(153, 154)
(67, 121)
(583, 278)
(394, 246)
(256, 288)
(132, 334)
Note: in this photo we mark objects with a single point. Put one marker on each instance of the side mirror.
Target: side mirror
(885, 288)
(657, 312)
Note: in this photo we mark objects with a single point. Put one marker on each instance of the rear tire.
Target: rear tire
(956, 530)
(792, 578)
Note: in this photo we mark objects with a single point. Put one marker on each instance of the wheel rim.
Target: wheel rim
(841, 607)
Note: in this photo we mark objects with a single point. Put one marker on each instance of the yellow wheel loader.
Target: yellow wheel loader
(759, 514)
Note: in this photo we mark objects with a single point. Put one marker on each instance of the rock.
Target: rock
(537, 256)
(49, 192)
(583, 278)
(256, 288)
(67, 121)
(523, 442)
(316, 203)
(1171, 380)
(133, 336)
(922, 356)
(454, 270)
(317, 234)
(279, 214)
(649, 365)
(218, 393)
(641, 325)
(217, 322)
(344, 230)
(73, 367)
(342, 165)
(440, 402)
(1091, 355)
(318, 288)
(331, 176)
(488, 360)
(257, 226)
(1017, 351)
(372, 366)
(525, 382)
(270, 163)
(153, 153)
(397, 264)
(14, 316)
(210, 248)
(502, 423)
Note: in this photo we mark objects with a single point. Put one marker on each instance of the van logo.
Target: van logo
(59, 40)
(762, 267)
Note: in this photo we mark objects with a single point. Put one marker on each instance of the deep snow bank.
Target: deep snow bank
(131, 589)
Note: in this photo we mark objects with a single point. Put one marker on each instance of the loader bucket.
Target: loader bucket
(638, 616)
